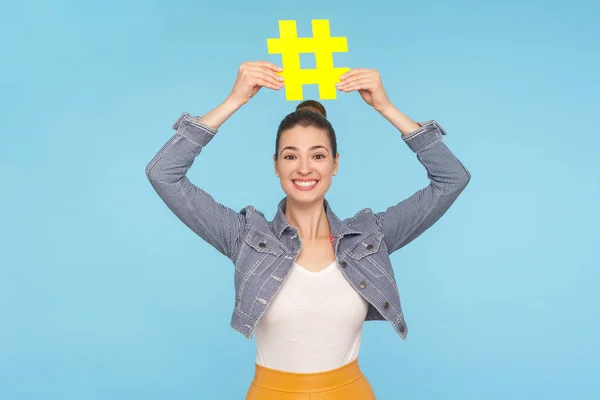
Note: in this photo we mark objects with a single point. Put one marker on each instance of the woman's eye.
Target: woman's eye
(316, 155)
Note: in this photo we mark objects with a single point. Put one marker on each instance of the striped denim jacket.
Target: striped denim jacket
(263, 252)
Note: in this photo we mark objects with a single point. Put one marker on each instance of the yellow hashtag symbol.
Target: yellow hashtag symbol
(289, 45)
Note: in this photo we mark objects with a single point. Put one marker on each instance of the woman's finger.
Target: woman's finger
(353, 72)
(266, 64)
(274, 74)
(364, 83)
(268, 71)
(355, 78)
(268, 84)
(251, 72)
(268, 75)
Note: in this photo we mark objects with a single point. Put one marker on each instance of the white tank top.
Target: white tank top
(313, 324)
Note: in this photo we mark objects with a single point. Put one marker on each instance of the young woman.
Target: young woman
(306, 280)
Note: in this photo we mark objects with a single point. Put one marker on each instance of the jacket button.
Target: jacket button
(262, 244)
(386, 305)
(370, 247)
(362, 285)
(344, 264)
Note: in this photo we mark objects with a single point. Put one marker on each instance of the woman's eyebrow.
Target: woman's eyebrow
(310, 148)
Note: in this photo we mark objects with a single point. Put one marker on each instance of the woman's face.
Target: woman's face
(305, 164)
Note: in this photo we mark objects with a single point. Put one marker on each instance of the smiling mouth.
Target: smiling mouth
(305, 185)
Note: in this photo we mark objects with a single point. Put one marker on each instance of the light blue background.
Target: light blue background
(105, 294)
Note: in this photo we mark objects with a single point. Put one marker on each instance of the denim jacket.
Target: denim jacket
(263, 251)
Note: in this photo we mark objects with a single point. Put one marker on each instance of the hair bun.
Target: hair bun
(314, 106)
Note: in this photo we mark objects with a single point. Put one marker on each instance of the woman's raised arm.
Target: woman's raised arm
(448, 177)
(217, 224)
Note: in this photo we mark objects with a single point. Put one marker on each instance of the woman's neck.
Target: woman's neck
(309, 219)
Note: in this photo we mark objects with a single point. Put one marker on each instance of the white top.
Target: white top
(313, 324)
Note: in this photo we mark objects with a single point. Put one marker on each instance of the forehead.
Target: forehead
(303, 137)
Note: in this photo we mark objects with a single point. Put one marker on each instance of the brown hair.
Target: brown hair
(308, 113)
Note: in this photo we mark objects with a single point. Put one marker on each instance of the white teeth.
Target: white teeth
(305, 184)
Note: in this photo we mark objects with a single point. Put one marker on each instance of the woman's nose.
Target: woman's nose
(304, 167)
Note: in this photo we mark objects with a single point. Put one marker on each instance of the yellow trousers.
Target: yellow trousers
(344, 383)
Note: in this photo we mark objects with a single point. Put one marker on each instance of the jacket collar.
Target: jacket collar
(337, 227)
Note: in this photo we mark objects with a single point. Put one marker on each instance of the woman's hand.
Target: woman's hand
(252, 75)
(369, 86)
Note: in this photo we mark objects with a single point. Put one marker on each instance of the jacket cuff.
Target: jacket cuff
(429, 133)
(196, 132)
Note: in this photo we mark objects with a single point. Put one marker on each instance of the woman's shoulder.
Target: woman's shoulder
(252, 213)
(362, 220)
(254, 217)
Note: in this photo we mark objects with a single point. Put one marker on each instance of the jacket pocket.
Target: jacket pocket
(367, 246)
(370, 256)
(263, 243)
